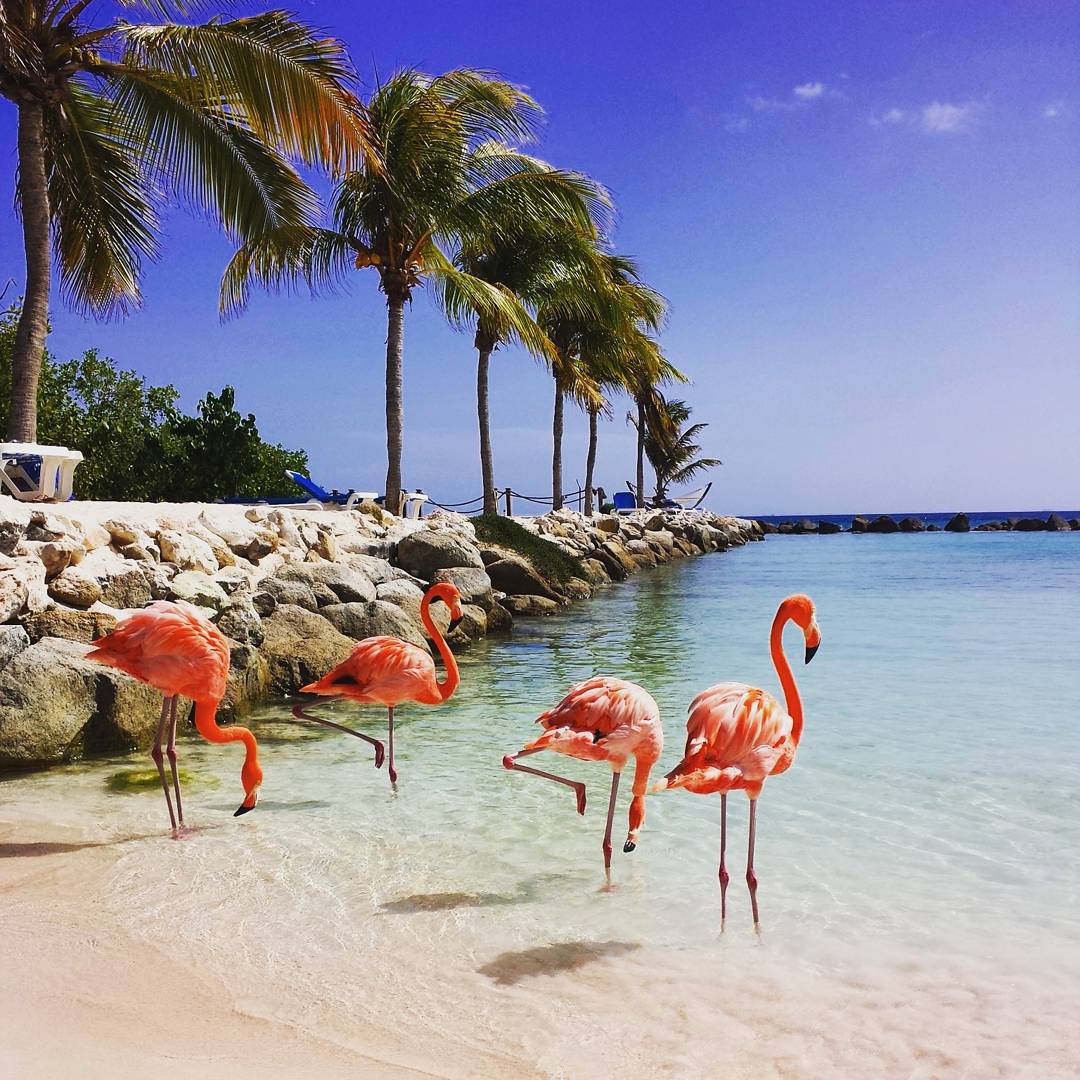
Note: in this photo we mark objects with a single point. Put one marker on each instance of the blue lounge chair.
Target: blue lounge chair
(625, 502)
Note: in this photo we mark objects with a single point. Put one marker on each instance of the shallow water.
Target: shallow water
(918, 864)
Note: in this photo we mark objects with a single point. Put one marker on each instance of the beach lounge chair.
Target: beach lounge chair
(691, 500)
(414, 500)
(625, 502)
(31, 472)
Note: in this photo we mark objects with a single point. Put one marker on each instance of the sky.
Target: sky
(866, 218)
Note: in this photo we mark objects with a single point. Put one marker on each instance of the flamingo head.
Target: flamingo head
(449, 595)
(251, 776)
(800, 609)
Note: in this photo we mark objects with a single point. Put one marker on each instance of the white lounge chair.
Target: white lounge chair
(32, 472)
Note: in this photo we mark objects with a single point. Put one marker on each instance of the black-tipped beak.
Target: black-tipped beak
(629, 846)
(454, 623)
(243, 810)
(811, 650)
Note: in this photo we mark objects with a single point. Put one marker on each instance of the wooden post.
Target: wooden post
(509, 506)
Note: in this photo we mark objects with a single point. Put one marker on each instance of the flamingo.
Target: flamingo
(602, 719)
(738, 735)
(175, 649)
(387, 671)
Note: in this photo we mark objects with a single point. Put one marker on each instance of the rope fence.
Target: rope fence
(507, 495)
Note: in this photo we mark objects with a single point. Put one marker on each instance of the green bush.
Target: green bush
(549, 560)
(137, 444)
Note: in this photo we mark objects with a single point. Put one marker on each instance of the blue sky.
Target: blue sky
(866, 217)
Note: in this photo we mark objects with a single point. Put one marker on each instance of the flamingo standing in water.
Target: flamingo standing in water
(174, 649)
(387, 671)
(602, 719)
(738, 735)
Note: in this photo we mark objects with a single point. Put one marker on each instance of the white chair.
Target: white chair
(31, 472)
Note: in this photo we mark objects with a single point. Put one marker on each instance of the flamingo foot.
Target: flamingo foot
(628, 847)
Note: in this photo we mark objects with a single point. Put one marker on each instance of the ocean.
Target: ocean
(975, 519)
(918, 867)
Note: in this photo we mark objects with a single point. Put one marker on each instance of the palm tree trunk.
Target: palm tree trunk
(395, 344)
(487, 468)
(556, 449)
(590, 464)
(28, 349)
(640, 478)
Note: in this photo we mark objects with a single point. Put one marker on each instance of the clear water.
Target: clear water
(918, 864)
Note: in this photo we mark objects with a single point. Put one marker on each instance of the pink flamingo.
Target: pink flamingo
(738, 735)
(602, 719)
(174, 649)
(387, 671)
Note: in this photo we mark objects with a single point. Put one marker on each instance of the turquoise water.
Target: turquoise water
(918, 864)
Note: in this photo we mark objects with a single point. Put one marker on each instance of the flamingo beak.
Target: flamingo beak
(243, 808)
(811, 651)
(453, 623)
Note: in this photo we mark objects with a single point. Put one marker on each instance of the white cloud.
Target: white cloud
(809, 91)
(1054, 110)
(889, 116)
(768, 105)
(941, 118)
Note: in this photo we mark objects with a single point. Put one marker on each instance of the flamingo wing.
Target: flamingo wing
(171, 646)
(380, 670)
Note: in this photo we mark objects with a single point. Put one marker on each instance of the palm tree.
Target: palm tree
(446, 176)
(111, 112)
(523, 263)
(671, 449)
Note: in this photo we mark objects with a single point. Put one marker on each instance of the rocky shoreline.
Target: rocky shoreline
(293, 588)
(883, 523)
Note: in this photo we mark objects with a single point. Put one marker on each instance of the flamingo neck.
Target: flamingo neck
(206, 723)
(783, 670)
(450, 683)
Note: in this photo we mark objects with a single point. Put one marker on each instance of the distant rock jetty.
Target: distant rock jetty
(958, 523)
(292, 588)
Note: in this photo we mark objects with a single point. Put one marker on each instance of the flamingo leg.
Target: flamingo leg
(298, 712)
(159, 758)
(170, 750)
(390, 743)
(610, 818)
(510, 762)
(751, 877)
(724, 876)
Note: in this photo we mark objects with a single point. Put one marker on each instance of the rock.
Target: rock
(58, 555)
(325, 546)
(499, 619)
(660, 540)
(348, 585)
(248, 680)
(13, 639)
(576, 589)
(233, 580)
(187, 552)
(296, 593)
(198, 589)
(860, 524)
(84, 626)
(883, 524)
(264, 603)
(515, 576)
(609, 524)
(407, 595)
(828, 528)
(121, 533)
(641, 552)
(912, 525)
(284, 525)
(76, 588)
(933, 528)
(425, 551)
(767, 527)
(804, 527)
(530, 605)
(22, 589)
(375, 619)
(46, 527)
(1028, 524)
(958, 523)
(324, 595)
(1074, 524)
(127, 587)
(158, 578)
(55, 705)
(474, 623)
(240, 621)
(376, 570)
(618, 562)
(300, 647)
(1056, 523)
(473, 584)
(597, 571)
(14, 520)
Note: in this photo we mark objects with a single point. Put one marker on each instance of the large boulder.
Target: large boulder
(376, 619)
(619, 563)
(377, 571)
(13, 639)
(300, 647)
(240, 621)
(958, 523)
(423, 552)
(530, 605)
(348, 585)
(912, 525)
(1056, 523)
(883, 524)
(642, 553)
(804, 527)
(126, 587)
(187, 552)
(14, 520)
(1028, 524)
(58, 622)
(249, 677)
(55, 705)
(75, 587)
(515, 576)
(473, 584)
(407, 595)
(860, 524)
(828, 528)
(298, 593)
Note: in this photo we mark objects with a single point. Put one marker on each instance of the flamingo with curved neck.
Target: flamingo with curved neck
(387, 671)
(737, 736)
(173, 648)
